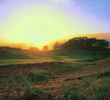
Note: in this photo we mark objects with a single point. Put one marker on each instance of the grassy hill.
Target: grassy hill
(12, 54)
(68, 55)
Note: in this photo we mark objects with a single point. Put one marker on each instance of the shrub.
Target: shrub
(86, 83)
(99, 90)
(18, 77)
(35, 94)
(103, 74)
(77, 65)
(88, 90)
(35, 76)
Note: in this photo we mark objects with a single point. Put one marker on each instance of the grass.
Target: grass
(21, 83)
(84, 79)
(23, 56)
(103, 74)
(36, 76)
(65, 67)
(87, 90)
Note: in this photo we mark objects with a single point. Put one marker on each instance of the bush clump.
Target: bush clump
(37, 76)
(87, 90)
(103, 74)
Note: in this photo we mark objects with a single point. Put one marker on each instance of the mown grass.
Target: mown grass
(25, 56)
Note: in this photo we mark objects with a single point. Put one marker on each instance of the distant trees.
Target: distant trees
(56, 46)
(9, 48)
(82, 42)
(19, 48)
(45, 48)
(34, 49)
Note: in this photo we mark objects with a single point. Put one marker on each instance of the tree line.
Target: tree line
(82, 42)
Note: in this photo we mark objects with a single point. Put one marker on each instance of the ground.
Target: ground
(57, 78)
(55, 75)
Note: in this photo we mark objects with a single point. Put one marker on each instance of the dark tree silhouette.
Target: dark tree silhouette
(56, 46)
(83, 42)
(34, 49)
(45, 48)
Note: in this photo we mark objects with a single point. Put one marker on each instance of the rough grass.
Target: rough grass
(37, 76)
(53, 81)
(103, 74)
(21, 84)
(74, 67)
(87, 90)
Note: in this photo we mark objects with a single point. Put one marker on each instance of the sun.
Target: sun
(36, 24)
(40, 24)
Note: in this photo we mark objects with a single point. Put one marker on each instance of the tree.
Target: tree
(102, 43)
(34, 49)
(19, 48)
(82, 42)
(45, 48)
(56, 46)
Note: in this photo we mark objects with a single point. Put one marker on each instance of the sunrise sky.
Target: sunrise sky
(41, 21)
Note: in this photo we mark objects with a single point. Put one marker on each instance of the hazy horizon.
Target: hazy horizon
(27, 45)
